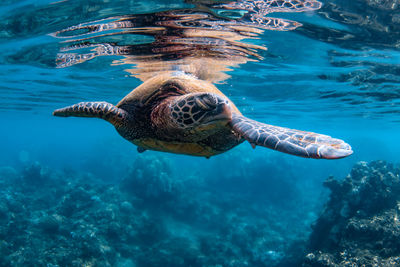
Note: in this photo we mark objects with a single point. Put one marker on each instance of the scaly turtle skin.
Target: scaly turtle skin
(178, 113)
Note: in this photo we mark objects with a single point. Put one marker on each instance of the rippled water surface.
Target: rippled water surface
(340, 59)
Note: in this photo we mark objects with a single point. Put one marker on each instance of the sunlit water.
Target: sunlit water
(336, 74)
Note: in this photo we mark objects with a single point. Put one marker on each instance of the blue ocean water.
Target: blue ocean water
(337, 73)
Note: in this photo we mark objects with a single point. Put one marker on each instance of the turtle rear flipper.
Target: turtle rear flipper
(295, 142)
(102, 110)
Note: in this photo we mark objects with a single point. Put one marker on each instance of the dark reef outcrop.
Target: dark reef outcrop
(360, 224)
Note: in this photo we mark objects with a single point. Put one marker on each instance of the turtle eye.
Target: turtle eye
(210, 100)
(202, 105)
(206, 102)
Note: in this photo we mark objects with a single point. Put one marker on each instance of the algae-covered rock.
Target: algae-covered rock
(126, 207)
(50, 224)
(360, 223)
(34, 174)
(151, 178)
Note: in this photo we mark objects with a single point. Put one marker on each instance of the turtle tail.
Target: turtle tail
(103, 110)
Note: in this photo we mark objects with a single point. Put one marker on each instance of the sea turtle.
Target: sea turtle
(179, 113)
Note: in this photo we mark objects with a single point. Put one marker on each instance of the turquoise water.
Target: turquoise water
(337, 74)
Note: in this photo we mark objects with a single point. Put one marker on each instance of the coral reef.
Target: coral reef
(155, 217)
(360, 224)
(151, 218)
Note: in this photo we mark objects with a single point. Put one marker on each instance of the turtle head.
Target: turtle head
(200, 112)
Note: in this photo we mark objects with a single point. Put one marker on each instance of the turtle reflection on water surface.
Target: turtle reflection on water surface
(177, 109)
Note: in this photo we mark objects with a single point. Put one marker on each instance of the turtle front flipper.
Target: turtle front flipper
(295, 142)
(102, 110)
